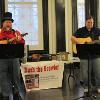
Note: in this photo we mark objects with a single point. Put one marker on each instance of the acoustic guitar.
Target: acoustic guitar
(7, 41)
(81, 41)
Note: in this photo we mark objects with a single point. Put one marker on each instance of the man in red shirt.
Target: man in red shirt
(9, 35)
(6, 32)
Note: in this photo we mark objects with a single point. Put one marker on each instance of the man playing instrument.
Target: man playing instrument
(9, 35)
(90, 34)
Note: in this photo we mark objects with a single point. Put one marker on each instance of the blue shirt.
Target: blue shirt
(83, 33)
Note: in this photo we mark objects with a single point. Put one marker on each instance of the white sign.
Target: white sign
(42, 75)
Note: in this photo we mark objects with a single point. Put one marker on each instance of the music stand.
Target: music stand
(11, 51)
(8, 51)
(87, 51)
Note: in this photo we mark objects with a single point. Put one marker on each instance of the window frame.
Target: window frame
(40, 46)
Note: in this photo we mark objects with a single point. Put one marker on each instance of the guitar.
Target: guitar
(81, 41)
(7, 41)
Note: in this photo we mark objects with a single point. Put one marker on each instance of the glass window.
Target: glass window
(22, 0)
(81, 13)
(25, 15)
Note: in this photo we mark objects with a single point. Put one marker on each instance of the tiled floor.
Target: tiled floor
(63, 93)
(58, 94)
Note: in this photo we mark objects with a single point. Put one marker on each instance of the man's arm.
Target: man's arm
(74, 40)
(19, 38)
(81, 40)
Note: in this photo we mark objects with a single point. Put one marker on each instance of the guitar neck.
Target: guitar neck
(12, 39)
(24, 34)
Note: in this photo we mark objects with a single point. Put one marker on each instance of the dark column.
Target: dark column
(2, 9)
(45, 24)
(60, 25)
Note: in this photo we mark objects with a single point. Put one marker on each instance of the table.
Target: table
(42, 75)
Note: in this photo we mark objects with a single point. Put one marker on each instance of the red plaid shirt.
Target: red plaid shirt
(6, 35)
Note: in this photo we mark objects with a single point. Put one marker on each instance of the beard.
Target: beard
(8, 28)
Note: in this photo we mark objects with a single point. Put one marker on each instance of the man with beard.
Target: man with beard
(9, 35)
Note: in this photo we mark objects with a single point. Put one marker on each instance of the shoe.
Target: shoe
(81, 83)
(5, 97)
(1, 96)
(85, 90)
(17, 96)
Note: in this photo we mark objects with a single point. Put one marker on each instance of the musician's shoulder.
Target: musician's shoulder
(96, 29)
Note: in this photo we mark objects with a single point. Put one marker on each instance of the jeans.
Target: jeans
(9, 72)
(94, 70)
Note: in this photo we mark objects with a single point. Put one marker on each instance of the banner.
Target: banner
(42, 75)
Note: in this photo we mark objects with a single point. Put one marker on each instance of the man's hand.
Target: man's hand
(18, 38)
(74, 40)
